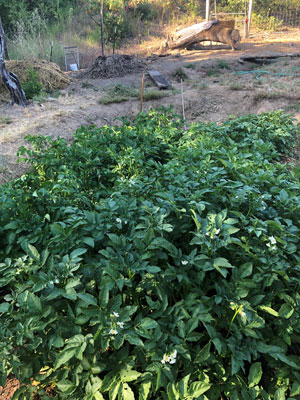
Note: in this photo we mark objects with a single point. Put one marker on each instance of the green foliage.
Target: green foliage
(262, 6)
(16, 11)
(180, 75)
(30, 37)
(32, 86)
(269, 23)
(146, 11)
(117, 23)
(223, 65)
(154, 261)
(190, 66)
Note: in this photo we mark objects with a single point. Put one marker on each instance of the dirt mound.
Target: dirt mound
(49, 74)
(115, 65)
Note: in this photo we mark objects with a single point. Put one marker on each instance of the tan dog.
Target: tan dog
(225, 35)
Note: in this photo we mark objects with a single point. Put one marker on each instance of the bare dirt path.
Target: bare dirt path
(216, 86)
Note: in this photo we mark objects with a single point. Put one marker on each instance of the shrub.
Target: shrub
(154, 261)
(32, 86)
(180, 75)
(223, 65)
(266, 22)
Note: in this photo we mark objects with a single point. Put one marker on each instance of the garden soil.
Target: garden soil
(215, 86)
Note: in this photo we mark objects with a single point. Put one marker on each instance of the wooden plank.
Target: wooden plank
(158, 79)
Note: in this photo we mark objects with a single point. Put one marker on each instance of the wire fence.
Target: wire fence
(288, 16)
(285, 11)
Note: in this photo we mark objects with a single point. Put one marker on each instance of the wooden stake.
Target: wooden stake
(51, 50)
(102, 28)
(182, 99)
(142, 92)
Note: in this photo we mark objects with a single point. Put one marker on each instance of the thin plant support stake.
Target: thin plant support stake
(142, 92)
(102, 28)
(182, 99)
(51, 50)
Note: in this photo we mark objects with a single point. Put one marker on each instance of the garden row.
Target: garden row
(152, 260)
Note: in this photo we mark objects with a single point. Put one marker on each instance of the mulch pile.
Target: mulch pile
(49, 74)
(112, 66)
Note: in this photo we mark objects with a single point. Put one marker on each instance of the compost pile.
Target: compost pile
(49, 74)
(114, 65)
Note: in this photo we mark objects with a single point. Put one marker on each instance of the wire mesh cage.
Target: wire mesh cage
(71, 58)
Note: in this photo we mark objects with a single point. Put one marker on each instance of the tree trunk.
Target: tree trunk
(5, 47)
(10, 80)
(214, 31)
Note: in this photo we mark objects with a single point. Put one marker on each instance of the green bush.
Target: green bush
(32, 86)
(154, 261)
(146, 11)
(266, 22)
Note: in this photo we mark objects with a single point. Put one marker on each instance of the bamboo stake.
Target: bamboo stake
(142, 93)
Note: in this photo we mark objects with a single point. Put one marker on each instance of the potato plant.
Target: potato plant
(156, 261)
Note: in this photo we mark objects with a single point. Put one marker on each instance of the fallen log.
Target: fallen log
(10, 79)
(213, 31)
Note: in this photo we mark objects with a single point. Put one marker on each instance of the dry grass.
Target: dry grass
(5, 121)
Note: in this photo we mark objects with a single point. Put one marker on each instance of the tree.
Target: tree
(2, 35)
(111, 17)
(10, 80)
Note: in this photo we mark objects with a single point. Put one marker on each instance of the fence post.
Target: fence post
(207, 10)
(249, 15)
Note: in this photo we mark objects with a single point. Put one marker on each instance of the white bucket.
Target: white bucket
(73, 67)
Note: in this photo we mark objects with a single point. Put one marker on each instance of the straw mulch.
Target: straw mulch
(112, 66)
(49, 74)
